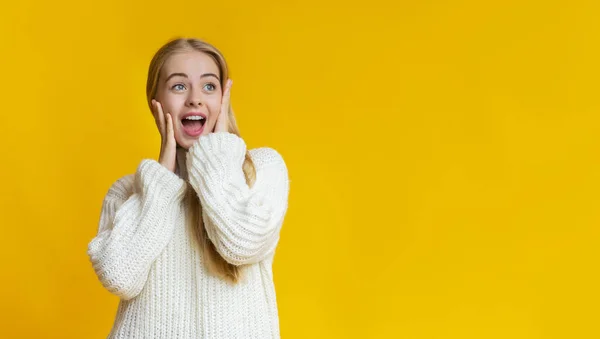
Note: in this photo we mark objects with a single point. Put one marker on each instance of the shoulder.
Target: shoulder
(267, 157)
(272, 174)
(122, 187)
(270, 166)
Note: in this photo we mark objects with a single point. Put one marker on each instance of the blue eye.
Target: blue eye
(210, 84)
(180, 88)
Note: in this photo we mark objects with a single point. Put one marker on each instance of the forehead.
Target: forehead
(193, 63)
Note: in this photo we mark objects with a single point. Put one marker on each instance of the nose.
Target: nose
(194, 99)
(194, 102)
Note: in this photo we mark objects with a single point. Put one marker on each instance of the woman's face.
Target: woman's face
(189, 84)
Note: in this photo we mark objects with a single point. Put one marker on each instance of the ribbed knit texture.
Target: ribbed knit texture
(146, 251)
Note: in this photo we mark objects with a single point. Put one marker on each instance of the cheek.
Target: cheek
(171, 103)
(215, 106)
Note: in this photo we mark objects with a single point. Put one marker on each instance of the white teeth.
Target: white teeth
(194, 117)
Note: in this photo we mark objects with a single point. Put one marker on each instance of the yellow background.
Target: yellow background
(443, 156)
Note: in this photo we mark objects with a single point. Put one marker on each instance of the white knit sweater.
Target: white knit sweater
(146, 253)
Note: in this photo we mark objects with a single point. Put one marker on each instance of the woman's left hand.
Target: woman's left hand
(222, 124)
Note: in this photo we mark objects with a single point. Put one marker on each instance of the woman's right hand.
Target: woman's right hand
(168, 147)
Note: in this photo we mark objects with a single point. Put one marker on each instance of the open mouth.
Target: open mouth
(193, 125)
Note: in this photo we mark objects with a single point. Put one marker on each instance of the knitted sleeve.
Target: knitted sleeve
(136, 224)
(242, 222)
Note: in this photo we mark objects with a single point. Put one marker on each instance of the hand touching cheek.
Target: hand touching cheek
(222, 124)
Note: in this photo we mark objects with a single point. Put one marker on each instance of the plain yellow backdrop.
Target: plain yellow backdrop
(443, 156)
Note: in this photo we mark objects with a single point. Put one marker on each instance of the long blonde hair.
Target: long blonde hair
(213, 261)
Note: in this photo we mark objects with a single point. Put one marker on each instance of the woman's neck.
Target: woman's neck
(181, 168)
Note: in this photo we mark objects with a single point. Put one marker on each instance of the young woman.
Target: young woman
(187, 242)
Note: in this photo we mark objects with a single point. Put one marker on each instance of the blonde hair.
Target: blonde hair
(213, 261)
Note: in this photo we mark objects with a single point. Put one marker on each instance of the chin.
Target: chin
(186, 143)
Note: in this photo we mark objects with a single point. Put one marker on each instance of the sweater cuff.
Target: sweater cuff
(155, 179)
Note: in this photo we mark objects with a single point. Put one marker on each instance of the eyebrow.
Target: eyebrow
(185, 76)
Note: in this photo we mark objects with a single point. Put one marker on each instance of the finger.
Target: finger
(152, 105)
(226, 97)
(170, 131)
(155, 113)
(161, 117)
(222, 118)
